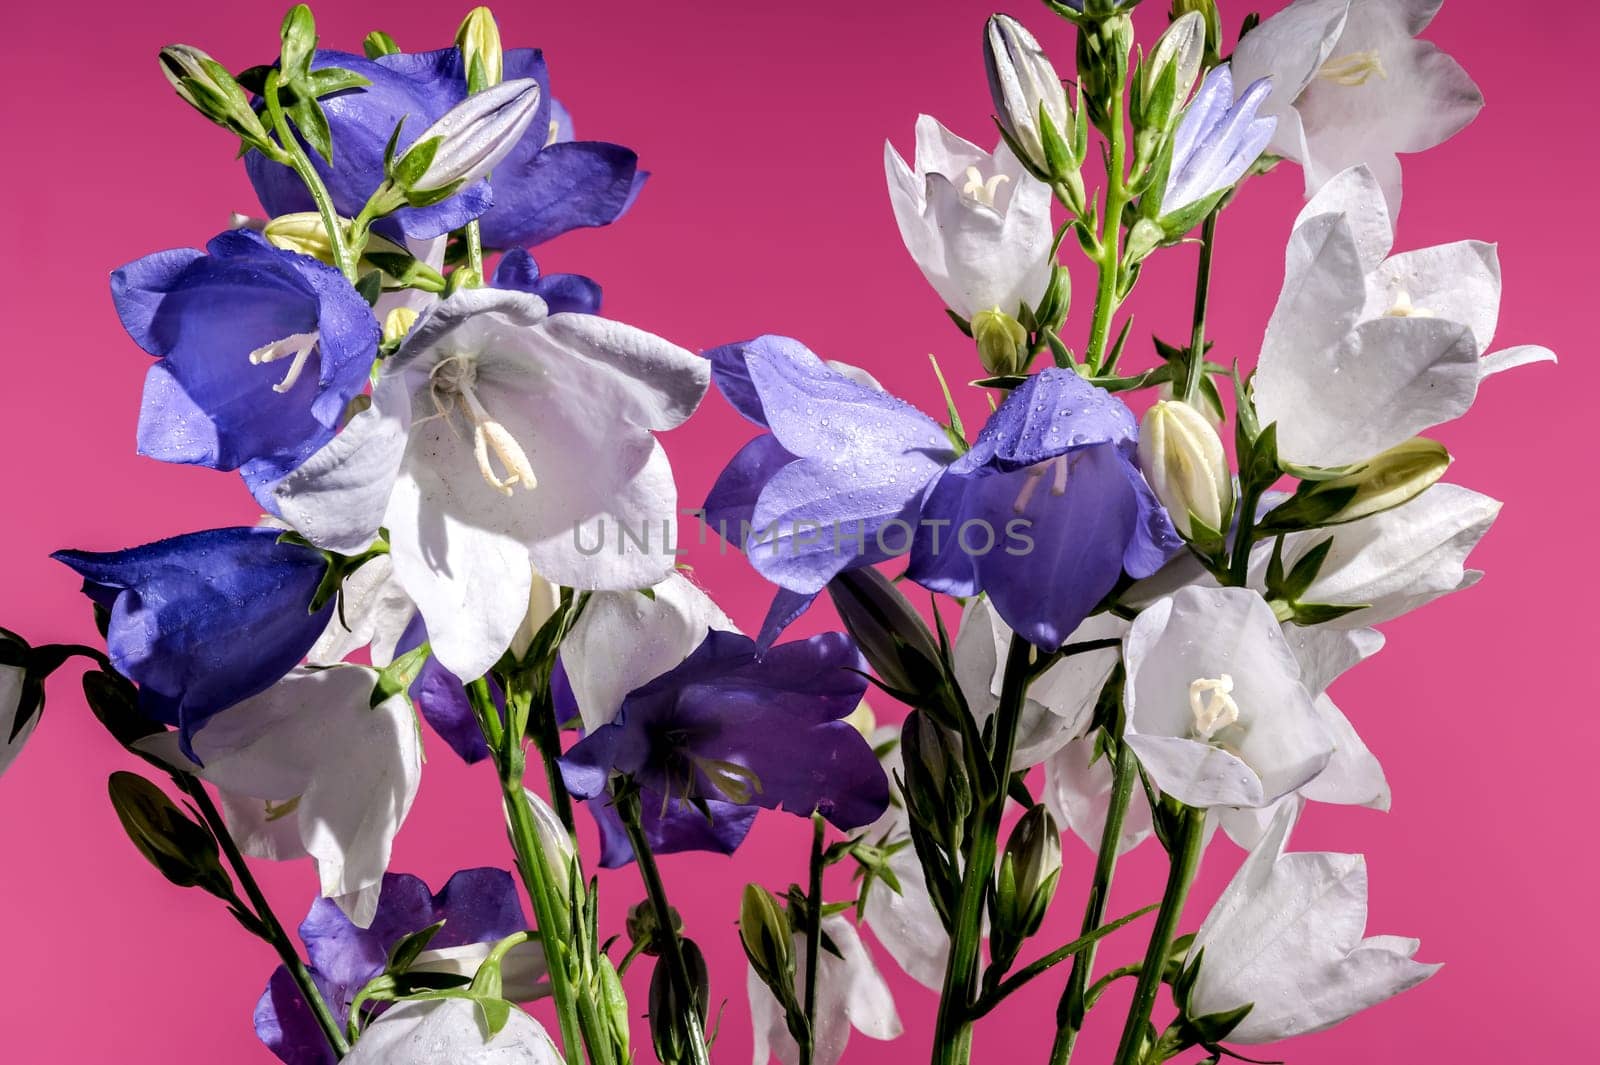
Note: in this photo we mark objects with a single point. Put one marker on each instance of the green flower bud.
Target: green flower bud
(1057, 302)
(645, 930)
(1030, 866)
(891, 634)
(479, 41)
(206, 85)
(1002, 342)
(181, 850)
(614, 1007)
(1183, 460)
(668, 1011)
(1382, 483)
(937, 792)
(768, 941)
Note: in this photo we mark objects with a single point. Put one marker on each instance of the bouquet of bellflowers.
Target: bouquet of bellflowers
(469, 527)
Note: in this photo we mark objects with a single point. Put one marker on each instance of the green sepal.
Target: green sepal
(405, 953)
(961, 323)
(378, 44)
(396, 678)
(299, 44)
(410, 167)
(325, 81)
(370, 287)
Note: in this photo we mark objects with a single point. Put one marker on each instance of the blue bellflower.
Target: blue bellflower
(833, 484)
(730, 725)
(259, 350)
(549, 184)
(1046, 511)
(1218, 139)
(476, 906)
(207, 619)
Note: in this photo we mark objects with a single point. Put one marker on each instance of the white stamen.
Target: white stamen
(1035, 475)
(555, 131)
(452, 379)
(1058, 487)
(298, 345)
(981, 190)
(1354, 69)
(1212, 705)
(1404, 308)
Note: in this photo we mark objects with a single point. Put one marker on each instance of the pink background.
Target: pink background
(764, 125)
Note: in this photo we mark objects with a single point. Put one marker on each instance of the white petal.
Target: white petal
(431, 1032)
(1400, 559)
(1290, 48)
(1458, 282)
(768, 1028)
(1248, 826)
(11, 681)
(979, 652)
(868, 1003)
(1511, 358)
(523, 970)
(1326, 653)
(907, 924)
(1077, 792)
(1353, 776)
(1357, 194)
(623, 640)
(373, 612)
(336, 498)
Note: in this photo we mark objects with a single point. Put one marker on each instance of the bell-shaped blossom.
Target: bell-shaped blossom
(1217, 713)
(835, 481)
(204, 620)
(1395, 561)
(1364, 351)
(1049, 499)
(259, 351)
(1060, 701)
(977, 223)
(1352, 86)
(1287, 937)
(451, 1029)
(310, 768)
(479, 907)
(547, 184)
(1218, 139)
(12, 681)
(752, 729)
(851, 994)
(503, 442)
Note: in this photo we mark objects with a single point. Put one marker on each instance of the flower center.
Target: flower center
(1056, 468)
(452, 382)
(1211, 703)
(980, 190)
(1404, 308)
(1354, 69)
(297, 346)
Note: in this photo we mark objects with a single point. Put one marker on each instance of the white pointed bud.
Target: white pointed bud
(301, 232)
(544, 599)
(1183, 43)
(479, 41)
(554, 841)
(398, 323)
(470, 139)
(1022, 82)
(1184, 462)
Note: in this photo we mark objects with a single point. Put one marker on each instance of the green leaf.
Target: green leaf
(958, 432)
(370, 286)
(377, 44)
(405, 952)
(496, 1012)
(325, 81)
(1322, 613)
(313, 126)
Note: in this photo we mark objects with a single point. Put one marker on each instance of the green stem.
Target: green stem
(1245, 536)
(1110, 243)
(541, 718)
(1075, 949)
(294, 155)
(1186, 849)
(813, 937)
(627, 806)
(952, 1038)
(475, 250)
(1194, 370)
(1073, 1006)
(262, 910)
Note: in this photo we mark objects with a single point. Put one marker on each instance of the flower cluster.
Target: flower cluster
(470, 516)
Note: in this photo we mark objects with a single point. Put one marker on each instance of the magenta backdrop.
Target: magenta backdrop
(764, 125)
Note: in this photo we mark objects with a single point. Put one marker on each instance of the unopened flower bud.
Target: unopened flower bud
(614, 1008)
(768, 941)
(206, 85)
(1027, 93)
(891, 634)
(1207, 10)
(644, 928)
(1184, 462)
(554, 841)
(937, 792)
(1057, 302)
(398, 323)
(1181, 47)
(183, 851)
(1002, 342)
(302, 233)
(467, 142)
(479, 41)
(1381, 483)
(1029, 869)
(668, 1012)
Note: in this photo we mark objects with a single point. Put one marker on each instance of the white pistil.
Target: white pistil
(1354, 69)
(1404, 308)
(981, 190)
(298, 345)
(1212, 705)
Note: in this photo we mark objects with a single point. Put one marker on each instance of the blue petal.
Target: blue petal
(785, 610)
(442, 699)
(205, 620)
(730, 508)
(672, 827)
(560, 187)
(562, 293)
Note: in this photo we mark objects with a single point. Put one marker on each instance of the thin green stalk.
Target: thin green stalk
(1073, 1006)
(1186, 849)
(1106, 299)
(813, 936)
(541, 718)
(678, 969)
(1194, 371)
(294, 154)
(1075, 949)
(952, 1038)
(1244, 537)
(475, 249)
(262, 911)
